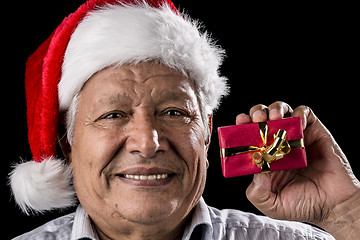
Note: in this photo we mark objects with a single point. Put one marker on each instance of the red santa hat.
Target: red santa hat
(102, 33)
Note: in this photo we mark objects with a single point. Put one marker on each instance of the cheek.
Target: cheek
(193, 151)
(95, 147)
(196, 140)
(92, 152)
(191, 147)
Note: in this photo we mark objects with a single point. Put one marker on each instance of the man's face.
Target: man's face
(139, 151)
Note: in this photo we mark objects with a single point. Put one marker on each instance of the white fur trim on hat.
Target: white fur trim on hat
(43, 186)
(118, 34)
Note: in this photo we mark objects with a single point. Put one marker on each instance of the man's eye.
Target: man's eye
(112, 115)
(174, 113)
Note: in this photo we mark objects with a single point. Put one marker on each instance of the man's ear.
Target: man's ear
(62, 138)
(210, 126)
(207, 141)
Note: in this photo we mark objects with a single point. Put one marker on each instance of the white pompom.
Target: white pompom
(39, 187)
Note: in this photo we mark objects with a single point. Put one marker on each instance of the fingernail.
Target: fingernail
(275, 114)
(257, 179)
(261, 179)
(240, 115)
(257, 114)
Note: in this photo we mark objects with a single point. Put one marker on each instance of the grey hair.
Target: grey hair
(71, 118)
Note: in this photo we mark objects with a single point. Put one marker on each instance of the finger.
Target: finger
(279, 110)
(306, 114)
(243, 119)
(258, 113)
(259, 192)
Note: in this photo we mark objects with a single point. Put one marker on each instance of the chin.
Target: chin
(146, 204)
(148, 211)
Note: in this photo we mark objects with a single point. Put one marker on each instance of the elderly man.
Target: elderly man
(128, 88)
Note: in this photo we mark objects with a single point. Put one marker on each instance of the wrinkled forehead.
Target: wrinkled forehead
(143, 82)
(140, 72)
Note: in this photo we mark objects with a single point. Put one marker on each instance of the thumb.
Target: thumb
(259, 192)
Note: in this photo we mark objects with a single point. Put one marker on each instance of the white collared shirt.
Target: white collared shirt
(206, 223)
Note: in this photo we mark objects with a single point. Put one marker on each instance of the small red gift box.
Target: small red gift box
(260, 147)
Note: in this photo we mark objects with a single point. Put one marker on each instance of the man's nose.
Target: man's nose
(143, 137)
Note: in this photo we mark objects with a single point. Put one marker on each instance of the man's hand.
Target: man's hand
(325, 193)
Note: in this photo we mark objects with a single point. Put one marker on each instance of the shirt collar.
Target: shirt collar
(83, 227)
(200, 219)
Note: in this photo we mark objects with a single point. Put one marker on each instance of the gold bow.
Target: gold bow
(267, 154)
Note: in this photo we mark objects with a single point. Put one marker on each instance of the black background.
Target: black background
(298, 52)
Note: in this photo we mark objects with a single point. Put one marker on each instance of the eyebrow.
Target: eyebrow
(173, 95)
(162, 75)
(117, 98)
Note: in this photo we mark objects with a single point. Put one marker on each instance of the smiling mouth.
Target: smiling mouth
(145, 177)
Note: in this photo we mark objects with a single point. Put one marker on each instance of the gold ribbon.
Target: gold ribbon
(266, 154)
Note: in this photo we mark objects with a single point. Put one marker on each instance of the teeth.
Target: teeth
(146, 177)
